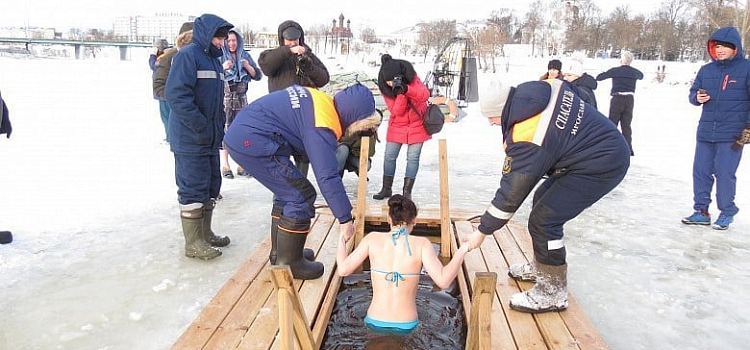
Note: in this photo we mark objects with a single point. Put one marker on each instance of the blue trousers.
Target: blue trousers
(560, 199)
(198, 178)
(292, 190)
(715, 160)
(392, 150)
(164, 112)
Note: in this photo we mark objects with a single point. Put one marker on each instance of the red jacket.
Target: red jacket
(405, 125)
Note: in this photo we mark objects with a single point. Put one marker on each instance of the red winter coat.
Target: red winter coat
(405, 125)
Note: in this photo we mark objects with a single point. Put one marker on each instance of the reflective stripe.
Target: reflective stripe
(503, 215)
(191, 206)
(546, 115)
(556, 244)
(207, 74)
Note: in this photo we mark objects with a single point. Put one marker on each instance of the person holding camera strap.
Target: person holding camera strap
(400, 86)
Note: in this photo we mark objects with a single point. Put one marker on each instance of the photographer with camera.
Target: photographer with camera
(406, 97)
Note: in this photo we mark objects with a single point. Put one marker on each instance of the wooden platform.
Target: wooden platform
(244, 314)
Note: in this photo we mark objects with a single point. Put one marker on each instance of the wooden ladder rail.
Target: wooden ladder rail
(482, 295)
(293, 324)
(445, 211)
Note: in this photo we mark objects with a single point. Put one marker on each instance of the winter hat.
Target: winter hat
(626, 58)
(291, 33)
(186, 27)
(161, 44)
(390, 67)
(493, 98)
(725, 44)
(574, 68)
(554, 64)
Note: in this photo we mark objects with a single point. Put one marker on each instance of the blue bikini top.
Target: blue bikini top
(395, 276)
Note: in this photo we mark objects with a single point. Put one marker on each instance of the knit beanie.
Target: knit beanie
(493, 98)
(626, 58)
(575, 68)
(390, 67)
(554, 64)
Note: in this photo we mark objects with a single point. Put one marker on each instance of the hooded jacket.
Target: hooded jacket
(300, 120)
(280, 64)
(195, 91)
(728, 83)
(237, 73)
(548, 129)
(586, 85)
(164, 62)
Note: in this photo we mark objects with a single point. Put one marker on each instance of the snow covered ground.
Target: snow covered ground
(87, 187)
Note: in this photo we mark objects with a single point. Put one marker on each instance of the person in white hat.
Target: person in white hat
(550, 132)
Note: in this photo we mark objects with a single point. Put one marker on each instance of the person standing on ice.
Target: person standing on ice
(548, 131)
(722, 88)
(195, 91)
(300, 120)
(161, 73)
(624, 79)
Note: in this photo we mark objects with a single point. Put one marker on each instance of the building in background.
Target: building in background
(150, 28)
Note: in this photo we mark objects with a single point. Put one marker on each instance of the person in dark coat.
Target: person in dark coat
(163, 64)
(584, 83)
(554, 70)
(299, 120)
(406, 98)
(195, 92)
(722, 88)
(621, 106)
(548, 131)
(293, 62)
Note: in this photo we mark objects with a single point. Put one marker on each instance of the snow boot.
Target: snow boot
(408, 185)
(192, 228)
(550, 293)
(276, 212)
(208, 234)
(385, 192)
(523, 272)
(290, 243)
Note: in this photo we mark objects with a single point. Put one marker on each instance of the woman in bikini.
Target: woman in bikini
(396, 260)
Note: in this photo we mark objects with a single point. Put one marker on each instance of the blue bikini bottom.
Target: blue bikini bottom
(390, 327)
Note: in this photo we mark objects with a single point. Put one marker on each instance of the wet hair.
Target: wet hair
(401, 210)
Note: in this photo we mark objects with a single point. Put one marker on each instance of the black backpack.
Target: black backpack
(432, 120)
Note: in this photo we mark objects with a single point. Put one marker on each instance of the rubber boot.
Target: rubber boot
(550, 293)
(195, 245)
(290, 241)
(408, 185)
(208, 234)
(276, 212)
(385, 192)
(523, 272)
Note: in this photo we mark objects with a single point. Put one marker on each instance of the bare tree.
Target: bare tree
(368, 35)
(434, 35)
(532, 21)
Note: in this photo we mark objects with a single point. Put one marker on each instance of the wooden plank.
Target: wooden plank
(501, 337)
(289, 299)
(320, 324)
(461, 277)
(361, 208)
(377, 212)
(445, 220)
(578, 323)
(209, 320)
(479, 324)
(522, 325)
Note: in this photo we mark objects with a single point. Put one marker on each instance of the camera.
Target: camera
(304, 64)
(398, 82)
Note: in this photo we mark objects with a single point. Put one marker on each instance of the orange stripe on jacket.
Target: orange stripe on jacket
(325, 112)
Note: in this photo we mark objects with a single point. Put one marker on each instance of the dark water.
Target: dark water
(441, 316)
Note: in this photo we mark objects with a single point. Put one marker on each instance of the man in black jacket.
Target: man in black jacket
(624, 78)
(293, 62)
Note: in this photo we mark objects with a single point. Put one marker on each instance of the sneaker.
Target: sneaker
(227, 173)
(698, 218)
(722, 223)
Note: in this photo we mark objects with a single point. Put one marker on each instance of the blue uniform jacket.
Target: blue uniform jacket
(195, 91)
(301, 120)
(548, 129)
(728, 83)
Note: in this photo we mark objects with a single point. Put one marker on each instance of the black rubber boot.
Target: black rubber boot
(208, 234)
(408, 185)
(276, 212)
(290, 242)
(385, 192)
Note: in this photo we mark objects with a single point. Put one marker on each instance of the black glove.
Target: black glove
(399, 87)
(304, 64)
(742, 140)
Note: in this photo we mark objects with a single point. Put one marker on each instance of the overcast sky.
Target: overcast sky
(396, 15)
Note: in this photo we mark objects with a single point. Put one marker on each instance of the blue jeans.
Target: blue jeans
(715, 160)
(412, 159)
(164, 113)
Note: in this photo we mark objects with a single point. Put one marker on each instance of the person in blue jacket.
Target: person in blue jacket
(195, 91)
(299, 120)
(722, 87)
(624, 79)
(550, 132)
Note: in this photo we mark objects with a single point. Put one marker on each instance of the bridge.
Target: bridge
(77, 44)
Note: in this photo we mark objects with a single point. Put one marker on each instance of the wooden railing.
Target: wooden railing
(481, 308)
